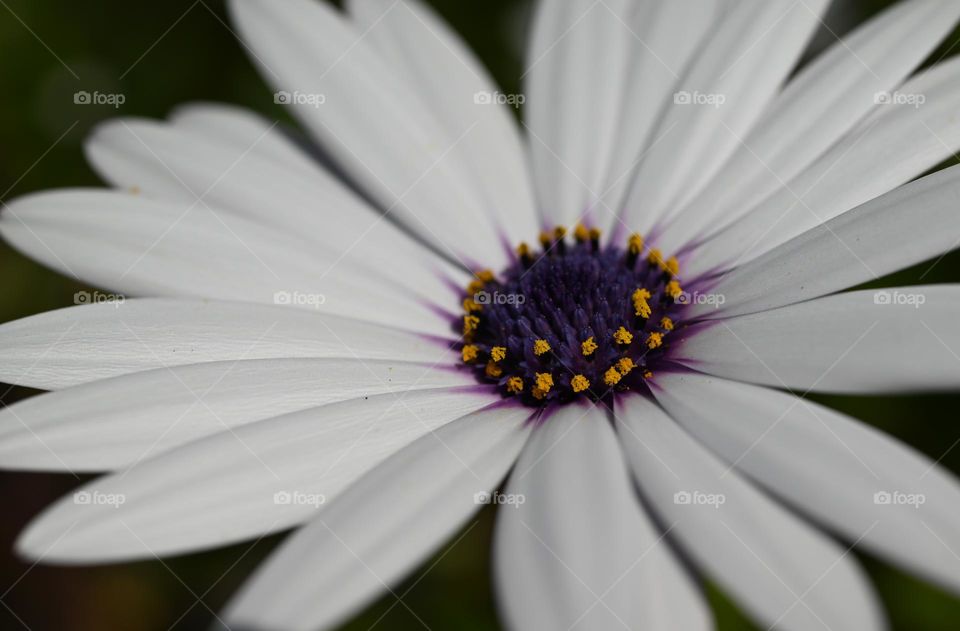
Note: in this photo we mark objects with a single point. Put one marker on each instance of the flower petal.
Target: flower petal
(911, 224)
(452, 84)
(62, 348)
(235, 485)
(371, 123)
(138, 246)
(266, 180)
(368, 538)
(826, 98)
(830, 466)
(117, 422)
(874, 341)
(897, 143)
(745, 62)
(579, 552)
(779, 569)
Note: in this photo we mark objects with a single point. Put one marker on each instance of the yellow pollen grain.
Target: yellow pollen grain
(625, 365)
(485, 276)
(611, 377)
(635, 243)
(580, 233)
(595, 234)
(655, 257)
(648, 374)
(666, 323)
(471, 306)
(654, 340)
(623, 336)
(470, 324)
(540, 347)
(672, 265)
(544, 381)
(673, 289)
(560, 232)
(475, 287)
(579, 383)
(492, 370)
(523, 250)
(545, 239)
(498, 353)
(588, 346)
(514, 385)
(469, 353)
(640, 303)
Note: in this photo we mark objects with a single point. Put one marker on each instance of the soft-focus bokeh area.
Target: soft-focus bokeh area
(160, 54)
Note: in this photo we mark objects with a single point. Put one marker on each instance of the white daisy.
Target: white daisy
(627, 391)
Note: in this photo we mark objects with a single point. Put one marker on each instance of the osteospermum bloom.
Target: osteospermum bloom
(367, 362)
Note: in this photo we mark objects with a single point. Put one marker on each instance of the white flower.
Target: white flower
(292, 360)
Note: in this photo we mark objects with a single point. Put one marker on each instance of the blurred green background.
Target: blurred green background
(161, 54)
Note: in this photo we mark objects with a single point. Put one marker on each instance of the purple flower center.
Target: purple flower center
(572, 319)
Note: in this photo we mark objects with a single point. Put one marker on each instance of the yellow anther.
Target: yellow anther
(492, 370)
(625, 365)
(654, 340)
(623, 336)
(595, 234)
(545, 239)
(475, 287)
(672, 265)
(579, 383)
(611, 377)
(588, 346)
(655, 257)
(635, 244)
(470, 305)
(540, 347)
(673, 289)
(470, 324)
(580, 233)
(469, 353)
(523, 250)
(544, 383)
(485, 275)
(666, 323)
(560, 232)
(514, 385)
(498, 353)
(648, 374)
(640, 304)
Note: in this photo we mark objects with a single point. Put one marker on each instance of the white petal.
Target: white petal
(452, 84)
(138, 246)
(117, 422)
(588, 128)
(371, 123)
(75, 345)
(823, 102)
(380, 528)
(875, 341)
(831, 467)
(744, 63)
(579, 553)
(265, 179)
(236, 485)
(897, 143)
(906, 226)
(778, 568)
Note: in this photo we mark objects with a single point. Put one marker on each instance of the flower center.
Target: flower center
(572, 319)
